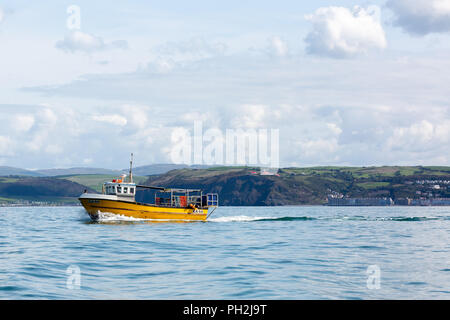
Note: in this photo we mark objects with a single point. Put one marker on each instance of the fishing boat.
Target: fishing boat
(118, 197)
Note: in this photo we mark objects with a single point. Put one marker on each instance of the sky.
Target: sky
(354, 83)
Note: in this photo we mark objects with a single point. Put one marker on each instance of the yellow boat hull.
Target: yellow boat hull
(141, 211)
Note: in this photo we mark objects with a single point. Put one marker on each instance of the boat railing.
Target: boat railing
(183, 198)
(211, 200)
(178, 201)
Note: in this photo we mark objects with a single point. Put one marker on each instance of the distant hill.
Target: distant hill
(95, 181)
(12, 171)
(161, 168)
(76, 171)
(40, 188)
(138, 171)
(148, 170)
(300, 186)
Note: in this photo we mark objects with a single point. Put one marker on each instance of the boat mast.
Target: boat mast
(131, 166)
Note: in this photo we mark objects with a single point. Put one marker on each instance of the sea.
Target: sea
(298, 252)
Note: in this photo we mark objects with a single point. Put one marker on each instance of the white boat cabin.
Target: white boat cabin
(119, 188)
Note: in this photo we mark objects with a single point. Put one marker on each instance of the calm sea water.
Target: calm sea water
(241, 253)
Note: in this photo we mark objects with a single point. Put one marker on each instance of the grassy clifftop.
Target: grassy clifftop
(297, 186)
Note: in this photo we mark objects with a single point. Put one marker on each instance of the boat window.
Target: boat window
(119, 189)
(132, 190)
(125, 190)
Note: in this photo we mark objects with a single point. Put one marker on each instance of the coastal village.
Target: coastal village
(429, 194)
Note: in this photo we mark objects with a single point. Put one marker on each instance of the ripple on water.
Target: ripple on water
(242, 253)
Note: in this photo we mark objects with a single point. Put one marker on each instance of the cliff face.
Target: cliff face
(236, 188)
(239, 187)
(301, 186)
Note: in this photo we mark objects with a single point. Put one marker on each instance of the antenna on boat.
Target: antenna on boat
(131, 166)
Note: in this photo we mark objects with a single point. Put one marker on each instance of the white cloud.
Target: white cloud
(315, 104)
(23, 122)
(83, 133)
(334, 128)
(129, 119)
(47, 117)
(136, 115)
(421, 17)
(193, 48)
(1, 15)
(53, 149)
(318, 149)
(113, 119)
(250, 116)
(339, 32)
(161, 65)
(6, 146)
(35, 142)
(421, 136)
(277, 46)
(309, 135)
(85, 42)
